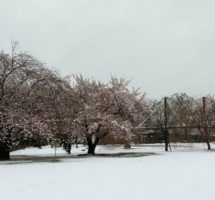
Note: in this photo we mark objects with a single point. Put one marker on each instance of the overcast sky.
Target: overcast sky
(164, 46)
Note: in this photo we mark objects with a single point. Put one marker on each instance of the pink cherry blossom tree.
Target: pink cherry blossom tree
(26, 93)
(104, 109)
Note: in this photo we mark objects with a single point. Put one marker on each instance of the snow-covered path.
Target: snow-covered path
(167, 176)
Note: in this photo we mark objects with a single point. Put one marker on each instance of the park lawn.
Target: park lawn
(185, 173)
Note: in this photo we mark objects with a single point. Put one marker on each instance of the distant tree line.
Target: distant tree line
(182, 117)
(39, 107)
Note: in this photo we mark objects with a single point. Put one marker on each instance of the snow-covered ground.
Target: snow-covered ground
(186, 173)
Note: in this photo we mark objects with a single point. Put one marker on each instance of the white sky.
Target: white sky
(164, 46)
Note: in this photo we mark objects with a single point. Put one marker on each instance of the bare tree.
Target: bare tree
(203, 116)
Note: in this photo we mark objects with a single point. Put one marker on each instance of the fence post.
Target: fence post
(205, 129)
(166, 134)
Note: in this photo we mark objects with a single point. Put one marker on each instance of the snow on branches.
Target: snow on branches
(105, 109)
(38, 107)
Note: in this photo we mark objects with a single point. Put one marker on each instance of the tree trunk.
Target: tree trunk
(92, 145)
(69, 147)
(4, 153)
(91, 149)
(208, 145)
(207, 138)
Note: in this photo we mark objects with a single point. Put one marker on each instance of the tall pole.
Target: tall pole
(166, 135)
(205, 129)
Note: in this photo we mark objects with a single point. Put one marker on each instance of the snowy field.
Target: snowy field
(186, 173)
